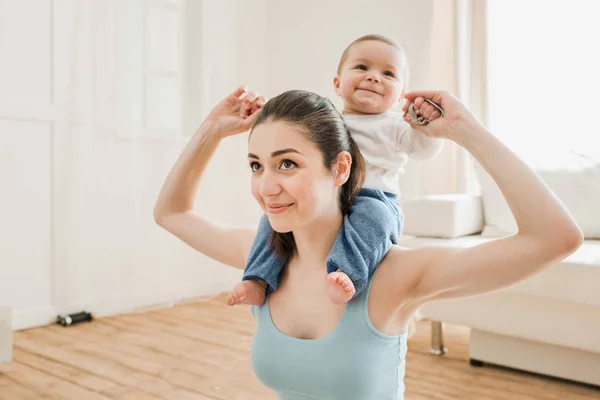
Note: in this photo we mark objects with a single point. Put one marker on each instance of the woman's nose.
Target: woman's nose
(269, 184)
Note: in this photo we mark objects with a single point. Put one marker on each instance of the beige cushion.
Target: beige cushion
(447, 216)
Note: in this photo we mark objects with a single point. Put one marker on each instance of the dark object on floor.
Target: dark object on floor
(71, 319)
(475, 363)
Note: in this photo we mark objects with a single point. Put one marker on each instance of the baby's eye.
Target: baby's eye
(361, 66)
(288, 164)
(254, 166)
(389, 73)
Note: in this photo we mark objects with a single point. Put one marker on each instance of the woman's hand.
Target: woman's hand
(456, 119)
(236, 113)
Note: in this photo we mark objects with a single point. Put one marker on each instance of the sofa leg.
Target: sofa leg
(437, 339)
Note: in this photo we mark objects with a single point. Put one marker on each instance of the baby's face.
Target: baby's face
(370, 78)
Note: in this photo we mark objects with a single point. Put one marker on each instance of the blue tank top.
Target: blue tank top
(353, 362)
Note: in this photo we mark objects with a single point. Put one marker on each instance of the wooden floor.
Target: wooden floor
(201, 351)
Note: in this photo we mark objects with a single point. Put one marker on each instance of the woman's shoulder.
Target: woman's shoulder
(390, 304)
(399, 272)
(402, 271)
(409, 260)
(397, 259)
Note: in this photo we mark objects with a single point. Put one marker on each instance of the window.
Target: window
(544, 79)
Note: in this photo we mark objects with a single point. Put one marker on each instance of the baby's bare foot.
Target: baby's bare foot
(341, 288)
(250, 292)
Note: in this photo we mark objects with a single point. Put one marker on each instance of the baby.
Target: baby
(371, 77)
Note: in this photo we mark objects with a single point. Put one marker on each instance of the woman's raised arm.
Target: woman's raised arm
(546, 231)
(174, 209)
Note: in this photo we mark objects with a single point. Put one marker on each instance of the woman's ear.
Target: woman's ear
(343, 166)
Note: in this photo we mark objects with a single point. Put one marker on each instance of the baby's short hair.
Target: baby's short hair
(383, 39)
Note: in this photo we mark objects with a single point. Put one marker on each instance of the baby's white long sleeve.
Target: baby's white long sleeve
(386, 143)
(418, 146)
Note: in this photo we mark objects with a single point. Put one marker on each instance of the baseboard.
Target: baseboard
(542, 358)
(152, 299)
(33, 318)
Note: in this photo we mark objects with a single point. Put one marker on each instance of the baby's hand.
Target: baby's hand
(422, 111)
(453, 114)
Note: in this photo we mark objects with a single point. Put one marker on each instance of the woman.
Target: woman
(304, 178)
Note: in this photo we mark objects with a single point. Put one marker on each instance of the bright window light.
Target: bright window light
(544, 77)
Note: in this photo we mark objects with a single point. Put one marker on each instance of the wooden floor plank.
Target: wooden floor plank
(12, 390)
(137, 394)
(51, 385)
(105, 368)
(67, 372)
(180, 368)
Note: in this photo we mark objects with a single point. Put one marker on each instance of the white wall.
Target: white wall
(80, 167)
(306, 38)
(25, 160)
(80, 174)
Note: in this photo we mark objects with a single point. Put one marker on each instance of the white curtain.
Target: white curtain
(457, 63)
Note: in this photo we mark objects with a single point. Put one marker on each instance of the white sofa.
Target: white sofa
(547, 324)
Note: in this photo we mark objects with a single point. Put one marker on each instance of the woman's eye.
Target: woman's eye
(288, 164)
(361, 66)
(254, 166)
(389, 73)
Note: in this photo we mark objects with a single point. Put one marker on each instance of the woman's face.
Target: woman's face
(289, 179)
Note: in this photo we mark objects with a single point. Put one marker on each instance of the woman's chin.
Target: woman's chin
(279, 225)
(281, 228)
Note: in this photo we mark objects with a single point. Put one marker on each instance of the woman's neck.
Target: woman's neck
(314, 242)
